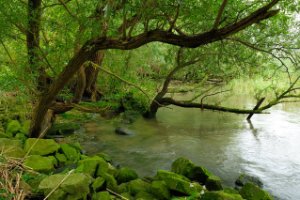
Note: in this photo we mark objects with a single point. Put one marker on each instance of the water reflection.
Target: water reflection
(224, 143)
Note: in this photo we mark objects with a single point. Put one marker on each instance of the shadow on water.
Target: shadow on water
(225, 143)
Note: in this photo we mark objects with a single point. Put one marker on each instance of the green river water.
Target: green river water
(225, 143)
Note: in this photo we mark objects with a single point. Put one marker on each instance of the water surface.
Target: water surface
(225, 143)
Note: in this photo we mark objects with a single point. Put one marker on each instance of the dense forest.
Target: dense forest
(62, 58)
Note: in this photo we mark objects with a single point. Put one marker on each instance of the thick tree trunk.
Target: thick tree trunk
(48, 98)
(91, 92)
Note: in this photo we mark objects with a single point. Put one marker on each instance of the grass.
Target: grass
(11, 171)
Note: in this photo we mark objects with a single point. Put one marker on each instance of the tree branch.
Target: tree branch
(220, 13)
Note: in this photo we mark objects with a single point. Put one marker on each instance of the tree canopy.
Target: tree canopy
(49, 46)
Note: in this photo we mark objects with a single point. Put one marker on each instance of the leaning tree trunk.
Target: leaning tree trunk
(47, 100)
(91, 92)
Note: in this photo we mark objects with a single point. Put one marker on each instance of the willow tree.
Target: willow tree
(155, 21)
(90, 27)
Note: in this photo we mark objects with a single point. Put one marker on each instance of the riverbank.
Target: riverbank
(44, 168)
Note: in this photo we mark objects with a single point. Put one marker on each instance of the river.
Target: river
(226, 144)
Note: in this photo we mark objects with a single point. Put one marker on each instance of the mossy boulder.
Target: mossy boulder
(144, 196)
(188, 169)
(33, 179)
(61, 158)
(58, 194)
(21, 136)
(41, 146)
(63, 129)
(220, 195)
(11, 148)
(160, 190)
(12, 128)
(75, 186)
(213, 183)
(90, 165)
(105, 156)
(102, 196)
(39, 163)
(71, 153)
(250, 191)
(244, 178)
(138, 185)
(111, 182)
(125, 175)
(98, 184)
(178, 183)
(25, 127)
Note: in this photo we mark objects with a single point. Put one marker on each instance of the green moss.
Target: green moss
(13, 127)
(101, 196)
(91, 164)
(62, 159)
(213, 183)
(25, 127)
(125, 175)
(21, 136)
(12, 148)
(71, 153)
(98, 184)
(160, 190)
(220, 195)
(39, 163)
(76, 185)
(188, 169)
(250, 191)
(41, 146)
(178, 183)
(144, 196)
(138, 185)
(111, 182)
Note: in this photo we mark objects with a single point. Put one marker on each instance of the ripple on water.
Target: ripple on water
(224, 143)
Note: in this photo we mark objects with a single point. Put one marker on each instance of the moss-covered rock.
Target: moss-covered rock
(188, 169)
(111, 170)
(11, 148)
(76, 185)
(71, 153)
(105, 156)
(33, 179)
(250, 191)
(98, 184)
(111, 182)
(13, 127)
(125, 175)
(54, 161)
(160, 190)
(213, 183)
(127, 195)
(61, 158)
(39, 163)
(102, 196)
(244, 178)
(41, 146)
(220, 195)
(58, 194)
(90, 165)
(63, 128)
(178, 183)
(25, 127)
(144, 196)
(21, 136)
(138, 185)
